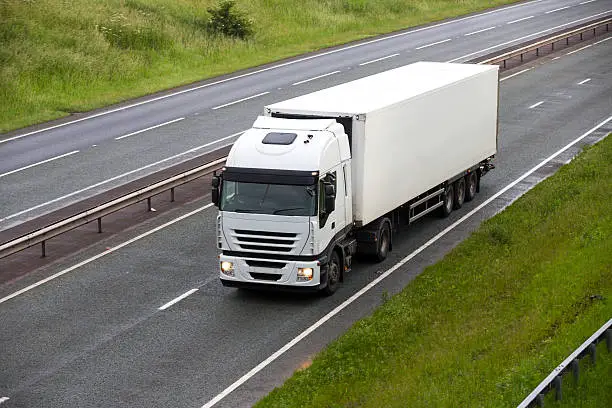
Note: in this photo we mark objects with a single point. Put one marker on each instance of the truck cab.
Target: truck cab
(284, 198)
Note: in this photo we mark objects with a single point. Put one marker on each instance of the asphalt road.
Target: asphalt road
(95, 336)
(45, 168)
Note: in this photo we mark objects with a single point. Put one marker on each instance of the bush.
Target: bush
(228, 21)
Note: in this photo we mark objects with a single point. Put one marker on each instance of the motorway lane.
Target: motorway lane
(96, 335)
(39, 189)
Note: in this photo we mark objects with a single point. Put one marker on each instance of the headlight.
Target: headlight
(304, 274)
(227, 268)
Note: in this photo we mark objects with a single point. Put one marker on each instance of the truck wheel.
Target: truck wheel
(448, 198)
(471, 181)
(384, 242)
(459, 193)
(333, 275)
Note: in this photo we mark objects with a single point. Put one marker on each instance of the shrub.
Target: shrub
(226, 20)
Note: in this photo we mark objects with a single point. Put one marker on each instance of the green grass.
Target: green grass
(488, 323)
(60, 57)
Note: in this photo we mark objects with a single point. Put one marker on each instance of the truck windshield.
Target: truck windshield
(258, 198)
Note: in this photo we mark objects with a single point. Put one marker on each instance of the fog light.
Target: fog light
(304, 274)
(227, 268)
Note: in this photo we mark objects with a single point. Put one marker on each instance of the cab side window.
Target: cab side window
(330, 178)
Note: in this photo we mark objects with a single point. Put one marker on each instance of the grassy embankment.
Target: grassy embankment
(59, 57)
(490, 321)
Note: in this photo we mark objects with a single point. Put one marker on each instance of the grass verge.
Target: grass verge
(60, 57)
(490, 321)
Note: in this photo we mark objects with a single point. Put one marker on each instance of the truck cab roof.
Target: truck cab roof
(290, 144)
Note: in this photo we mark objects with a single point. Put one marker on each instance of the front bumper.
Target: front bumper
(256, 273)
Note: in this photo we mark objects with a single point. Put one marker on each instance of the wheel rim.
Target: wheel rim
(384, 243)
(472, 184)
(460, 192)
(448, 204)
(333, 273)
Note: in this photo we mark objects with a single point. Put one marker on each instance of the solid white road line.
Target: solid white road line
(119, 176)
(520, 19)
(375, 282)
(378, 59)
(149, 128)
(527, 36)
(315, 78)
(559, 9)
(39, 163)
(268, 69)
(587, 2)
(100, 255)
(584, 82)
(480, 31)
(515, 74)
(240, 100)
(600, 41)
(432, 44)
(4, 399)
(535, 105)
(178, 299)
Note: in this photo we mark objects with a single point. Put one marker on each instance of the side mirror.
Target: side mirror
(216, 182)
(330, 198)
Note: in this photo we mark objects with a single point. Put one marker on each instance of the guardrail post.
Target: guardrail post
(557, 383)
(575, 364)
(593, 352)
(609, 340)
(567, 41)
(504, 63)
(172, 195)
(539, 400)
(149, 204)
(521, 57)
(44, 248)
(538, 52)
(99, 225)
(552, 46)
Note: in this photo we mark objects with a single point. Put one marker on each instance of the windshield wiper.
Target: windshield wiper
(242, 210)
(288, 209)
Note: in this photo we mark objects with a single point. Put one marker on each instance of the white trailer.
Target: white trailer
(348, 162)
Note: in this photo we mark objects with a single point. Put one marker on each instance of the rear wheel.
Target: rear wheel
(459, 193)
(471, 182)
(384, 242)
(333, 275)
(447, 198)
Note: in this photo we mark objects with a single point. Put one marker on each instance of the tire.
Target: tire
(459, 187)
(333, 275)
(448, 199)
(471, 184)
(384, 242)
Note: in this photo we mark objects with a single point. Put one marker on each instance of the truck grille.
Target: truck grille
(266, 276)
(265, 264)
(266, 241)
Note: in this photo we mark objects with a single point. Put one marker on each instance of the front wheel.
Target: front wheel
(333, 275)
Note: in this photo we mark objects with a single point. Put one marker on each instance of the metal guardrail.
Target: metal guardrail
(85, 217)
(554, 379)
(535, 46)
(42, 235)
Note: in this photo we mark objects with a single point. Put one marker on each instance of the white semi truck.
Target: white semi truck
(322, 177)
